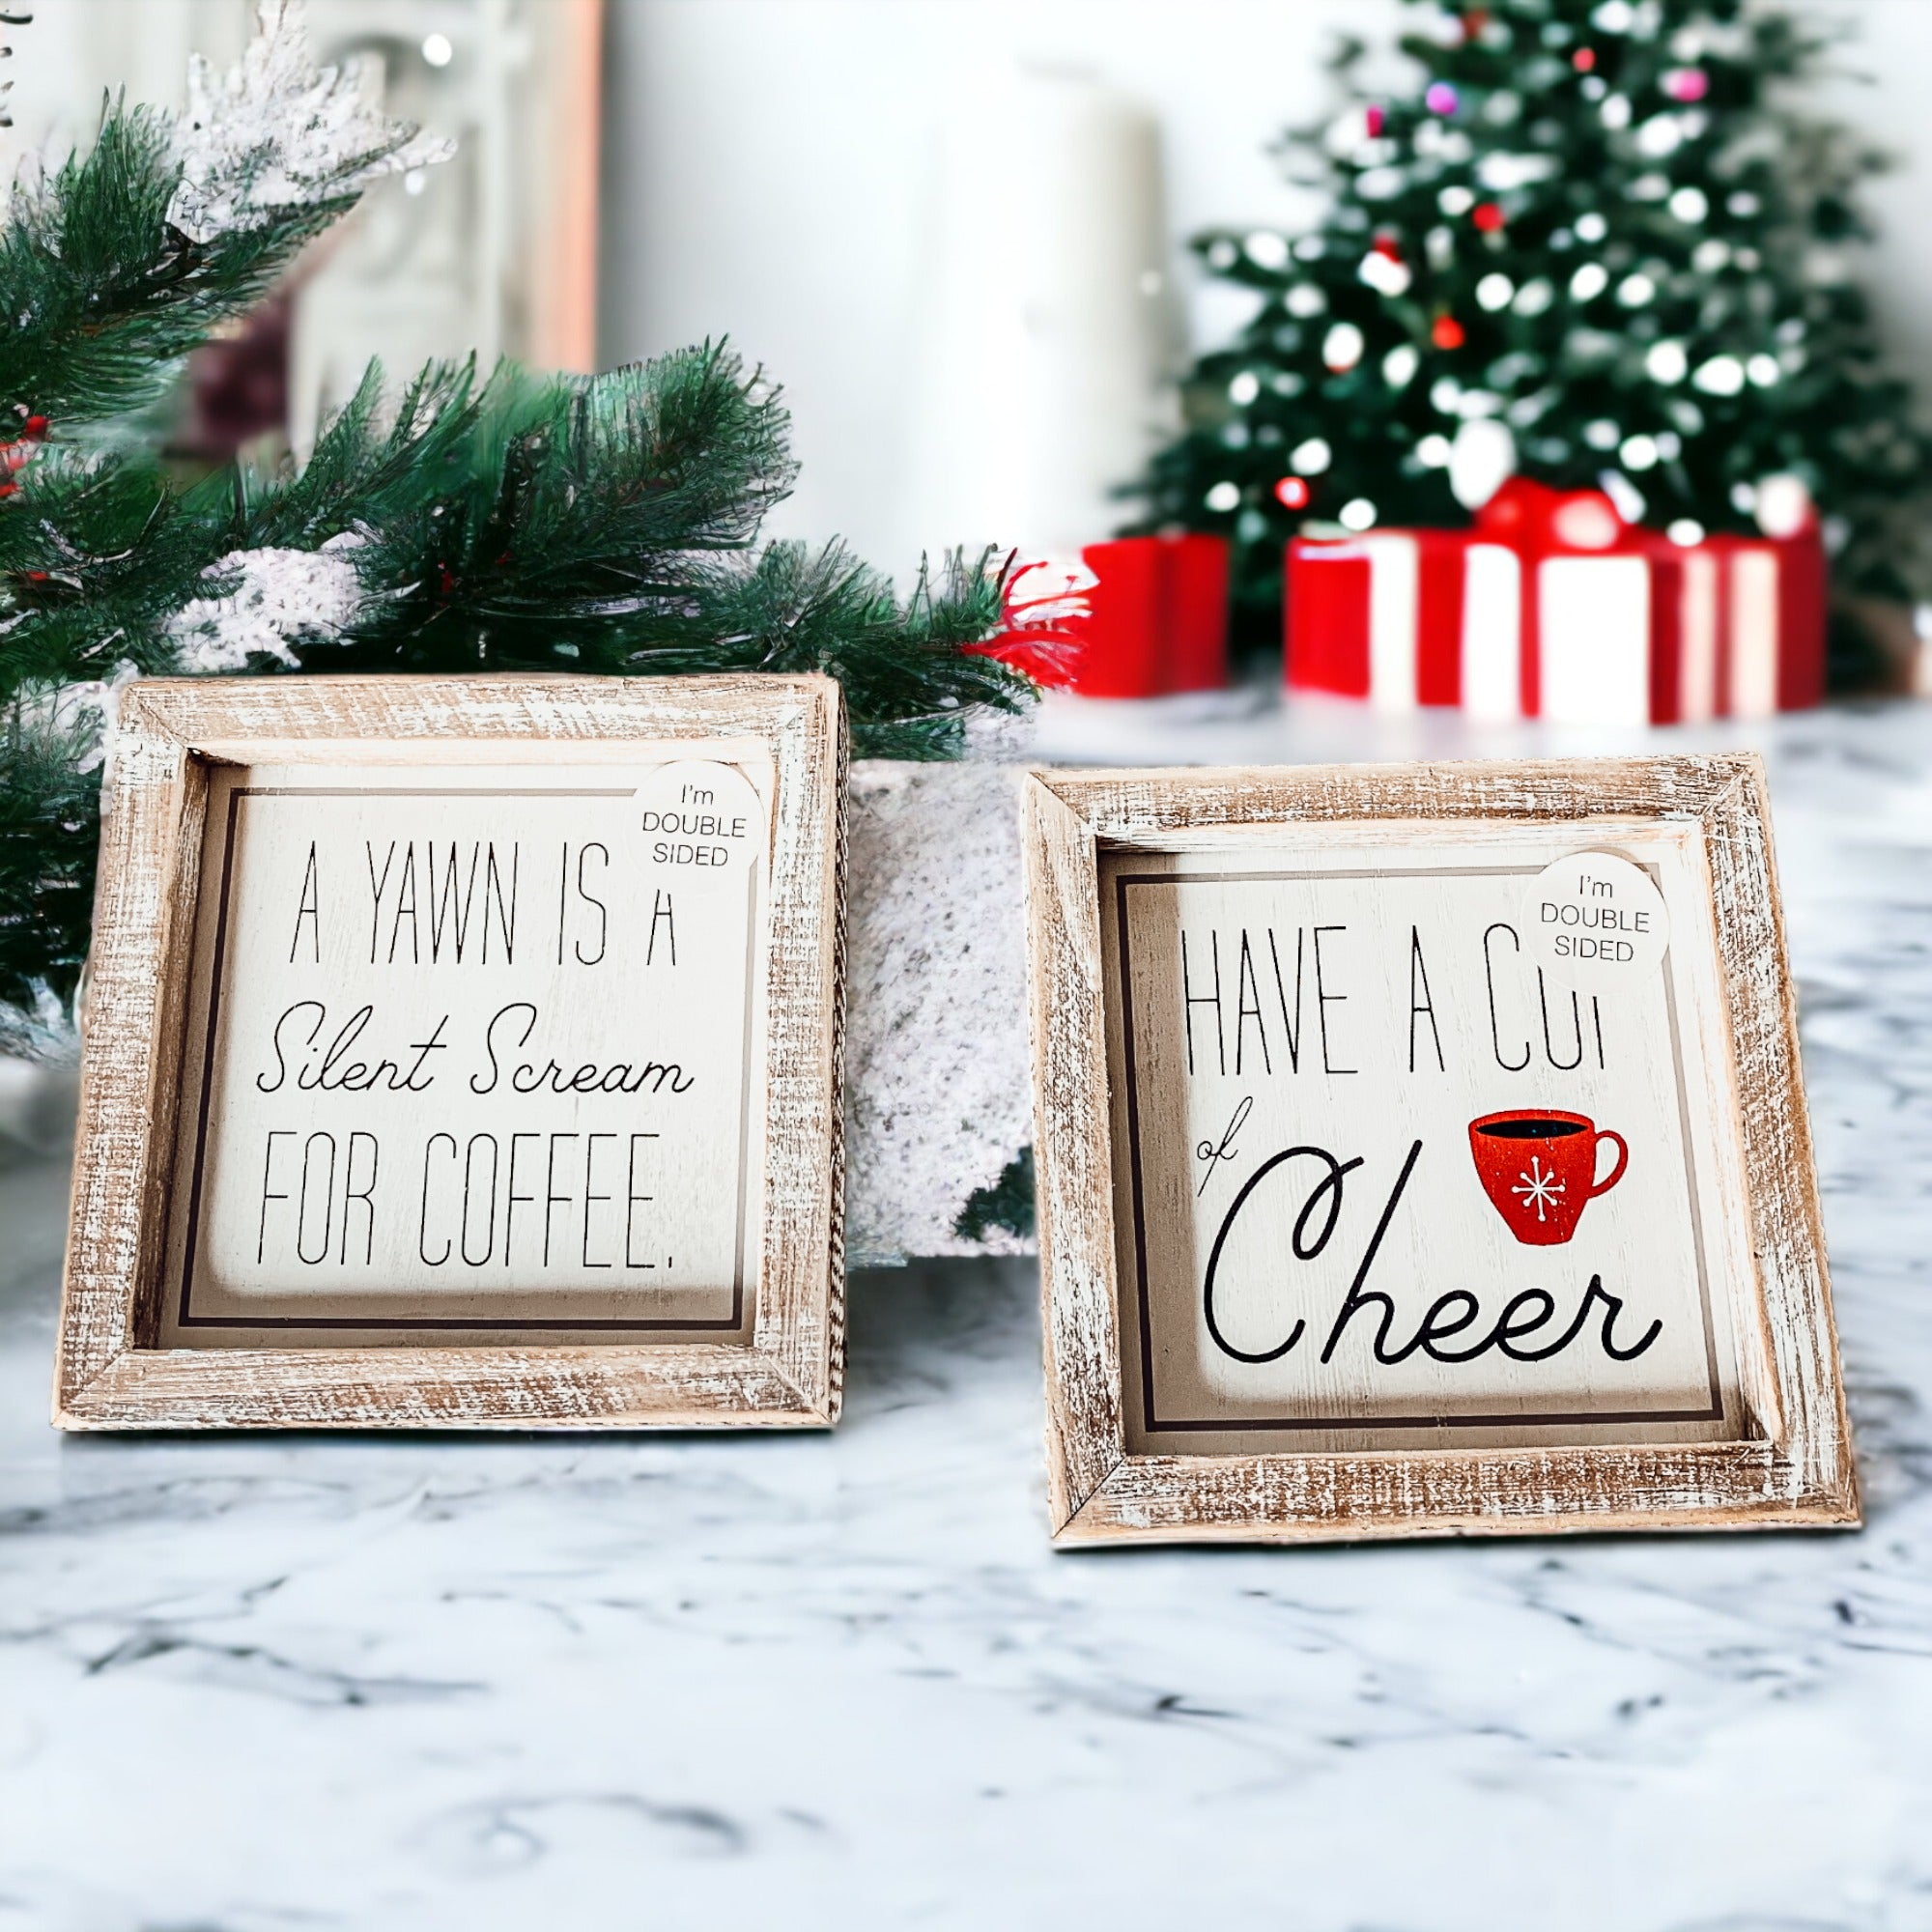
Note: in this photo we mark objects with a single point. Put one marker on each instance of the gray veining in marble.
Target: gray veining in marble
(254, 1683)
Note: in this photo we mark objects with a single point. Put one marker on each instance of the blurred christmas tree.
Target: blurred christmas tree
(1598, 245)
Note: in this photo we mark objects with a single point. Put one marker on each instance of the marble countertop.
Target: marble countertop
(257, 1683)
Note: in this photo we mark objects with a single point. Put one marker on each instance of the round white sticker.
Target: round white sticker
(702, 817)
(1595, 920)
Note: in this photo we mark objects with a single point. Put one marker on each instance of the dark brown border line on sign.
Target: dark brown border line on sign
(473, 1325)
(1236, 1424)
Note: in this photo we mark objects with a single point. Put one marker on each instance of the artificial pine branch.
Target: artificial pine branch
(103, 295)
(600, 523)
(595, 524)
(559, 523)
(49, 830)
(118, 264)
(1009, 1204)
(910, 675)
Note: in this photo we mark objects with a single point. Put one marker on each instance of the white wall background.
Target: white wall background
(770, 173)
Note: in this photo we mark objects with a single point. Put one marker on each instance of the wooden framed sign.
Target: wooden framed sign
(1421, 1152)
(463, 1052)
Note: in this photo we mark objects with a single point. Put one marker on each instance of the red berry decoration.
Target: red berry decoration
(1387, 246)
(1447, 332)
(19, 451)
(1291, 493)
(1583, 59)
(1488, 216)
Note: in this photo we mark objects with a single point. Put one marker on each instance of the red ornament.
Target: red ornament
(1374, 119)
(34, 427)
(1519, 510)
(1387, 246)
(1488, 216)
(1583, 59)
(1291, 493)
(1447, 332)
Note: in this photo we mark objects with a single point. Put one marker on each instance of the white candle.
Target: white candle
(1048, 324)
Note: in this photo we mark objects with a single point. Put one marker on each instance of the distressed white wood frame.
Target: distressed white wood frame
(107, 1376)
(1796, 1470)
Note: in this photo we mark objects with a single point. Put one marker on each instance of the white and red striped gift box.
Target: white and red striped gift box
(1511, 620)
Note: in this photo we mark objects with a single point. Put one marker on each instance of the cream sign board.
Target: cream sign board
(1421, 1151)
(1385, 1175)
(475, 1049)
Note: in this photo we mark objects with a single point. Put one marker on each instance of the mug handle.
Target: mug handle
(1616, 1174)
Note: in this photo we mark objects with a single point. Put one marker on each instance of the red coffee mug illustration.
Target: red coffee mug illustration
(1539, 1166)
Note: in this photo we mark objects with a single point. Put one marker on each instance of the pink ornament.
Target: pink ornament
(1441, 98)
(1687, 83)
(1375, 119)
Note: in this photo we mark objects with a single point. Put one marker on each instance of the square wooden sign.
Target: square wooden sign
(463, 1052)
(1421, 1151)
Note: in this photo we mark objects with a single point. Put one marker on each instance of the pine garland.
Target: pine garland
(49, 830)
(603, 523)
(1009, 1204)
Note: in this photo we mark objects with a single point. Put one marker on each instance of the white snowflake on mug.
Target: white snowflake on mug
(1539, 1186)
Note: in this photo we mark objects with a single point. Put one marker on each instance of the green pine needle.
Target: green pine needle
(103, 296)
(1009, 1206)
(49, 827)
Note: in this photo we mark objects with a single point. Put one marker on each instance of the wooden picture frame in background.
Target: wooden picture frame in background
(427, 1024)
(1333, 1244)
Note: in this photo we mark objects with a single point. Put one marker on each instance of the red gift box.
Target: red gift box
(1135, 618)
(1552, 606)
